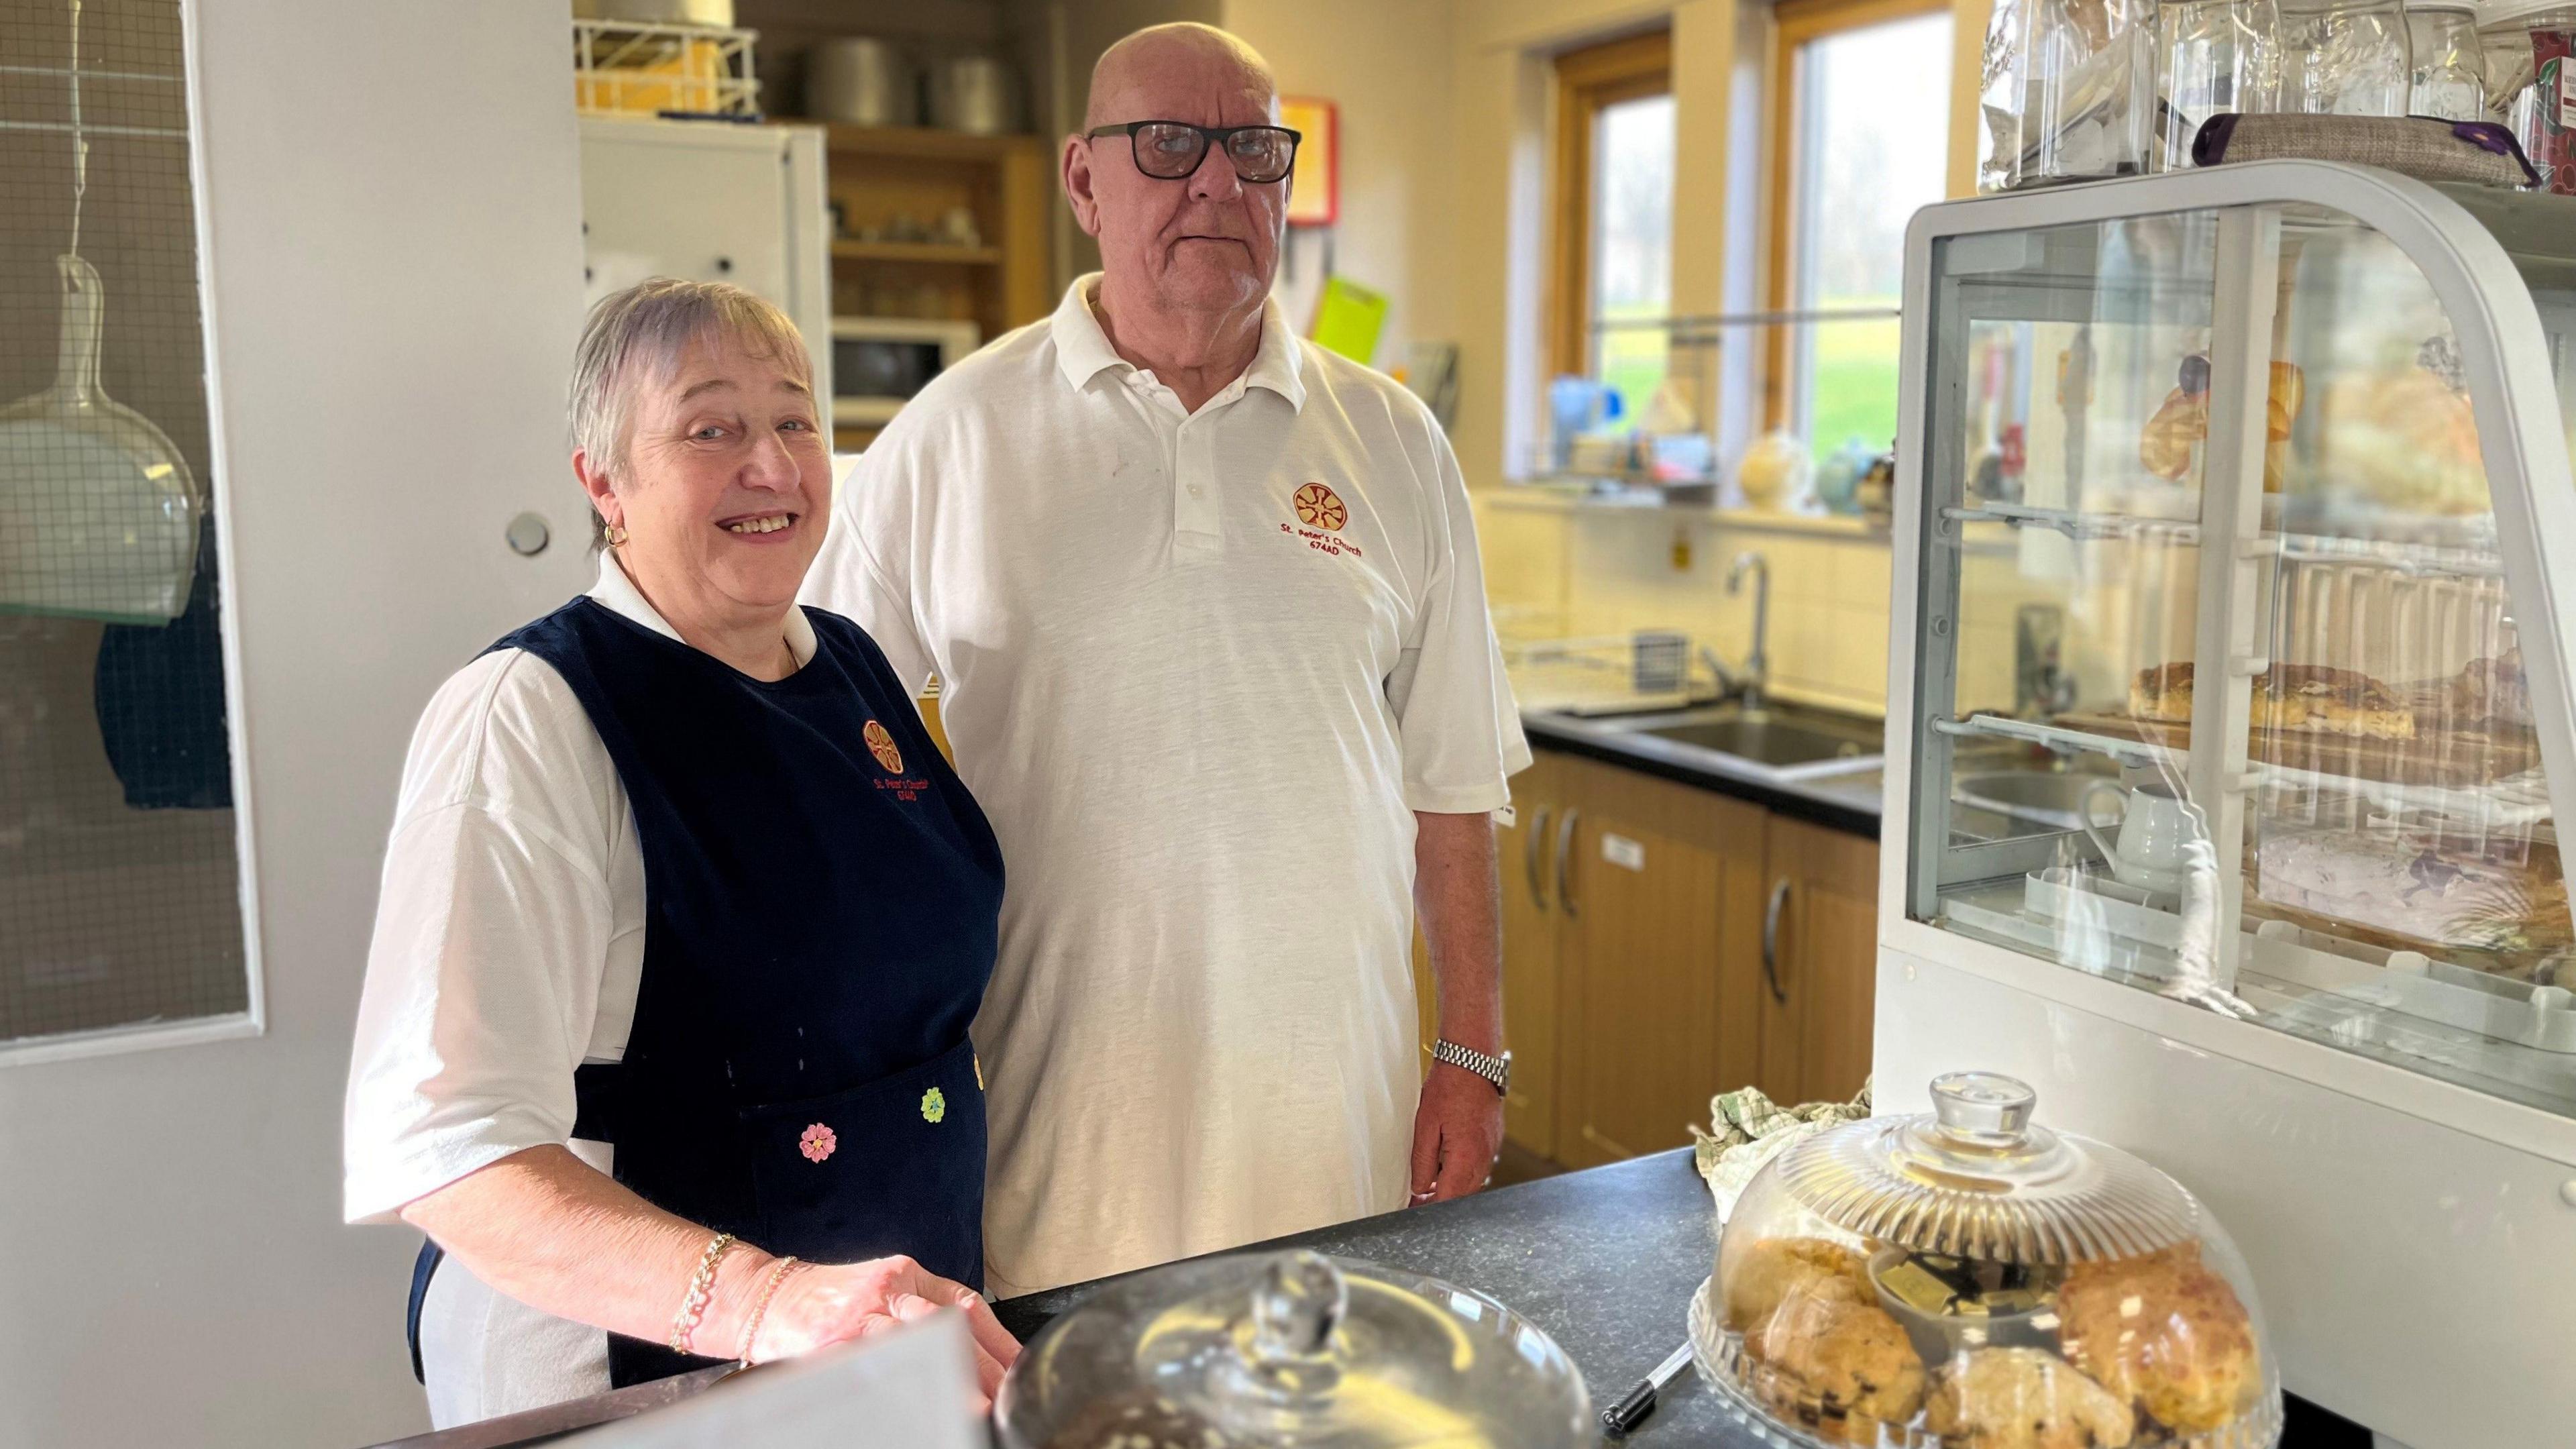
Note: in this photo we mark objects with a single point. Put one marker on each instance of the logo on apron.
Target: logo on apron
(817, 1143)
(1320, 507)
(881, 744)
(934, 1105)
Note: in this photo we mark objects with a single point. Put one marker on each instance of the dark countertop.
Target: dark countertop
(1605, 1261)
(1842, 799)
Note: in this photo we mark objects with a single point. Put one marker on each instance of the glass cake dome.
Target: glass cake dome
(1969, 1280)
(1263, 1350)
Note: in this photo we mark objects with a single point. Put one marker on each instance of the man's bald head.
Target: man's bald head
(1183, 56)
(1204, 243)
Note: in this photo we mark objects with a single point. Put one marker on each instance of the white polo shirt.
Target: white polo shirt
(1200, 670)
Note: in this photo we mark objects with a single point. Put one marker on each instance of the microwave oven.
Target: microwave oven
(878, 363)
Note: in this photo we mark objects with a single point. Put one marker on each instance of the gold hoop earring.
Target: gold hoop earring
(615, 534)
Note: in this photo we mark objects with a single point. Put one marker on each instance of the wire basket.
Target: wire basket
(639, 68)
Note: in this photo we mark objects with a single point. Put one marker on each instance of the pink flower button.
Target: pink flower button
(817, 1143)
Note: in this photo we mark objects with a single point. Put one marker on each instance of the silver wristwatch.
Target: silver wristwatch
(1497, 1070)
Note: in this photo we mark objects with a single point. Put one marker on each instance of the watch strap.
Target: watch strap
(1494, 1069)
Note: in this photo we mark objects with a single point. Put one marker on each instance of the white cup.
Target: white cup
(2153, 851)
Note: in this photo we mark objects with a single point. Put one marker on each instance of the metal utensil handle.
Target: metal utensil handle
(1529, 857)
(1564, 854)
(1771, 939)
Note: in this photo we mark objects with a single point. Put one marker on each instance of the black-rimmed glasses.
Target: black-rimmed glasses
(1172, 150)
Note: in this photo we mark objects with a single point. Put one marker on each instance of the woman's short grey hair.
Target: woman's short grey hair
(637, 338)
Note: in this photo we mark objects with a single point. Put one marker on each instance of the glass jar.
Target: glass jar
(2530, 51)
(1260, 1349)
(2068, 91)
(2450, 69)
(2345, 58)
(2216, 58)
(1968, 1279)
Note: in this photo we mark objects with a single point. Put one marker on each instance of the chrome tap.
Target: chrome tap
(1757, 663)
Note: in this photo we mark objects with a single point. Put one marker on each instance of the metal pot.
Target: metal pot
(1291, 1348)
(976, 94)
(860, 81)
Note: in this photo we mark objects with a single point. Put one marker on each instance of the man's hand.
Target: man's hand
(1457, 1133)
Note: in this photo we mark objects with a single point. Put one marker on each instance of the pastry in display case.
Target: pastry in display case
(2283, 845)
(1968, 1279)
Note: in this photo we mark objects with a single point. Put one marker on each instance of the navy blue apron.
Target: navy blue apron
(822, 900)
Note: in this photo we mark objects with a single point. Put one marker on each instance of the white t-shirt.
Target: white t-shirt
(509, 943)
(1199, 670)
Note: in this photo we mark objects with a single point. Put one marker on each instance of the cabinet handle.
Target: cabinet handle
(1771, 939)
(1529, 857)
(1564, 854)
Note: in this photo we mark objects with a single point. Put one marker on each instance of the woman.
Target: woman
(684, 919)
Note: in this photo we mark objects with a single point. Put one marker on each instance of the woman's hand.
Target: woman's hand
(836, 1302)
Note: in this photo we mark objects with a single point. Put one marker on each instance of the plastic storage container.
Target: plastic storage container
(2530, 53)
(2068, 91)
(1254, 1350)
(2450, 67)
(1967, 1279)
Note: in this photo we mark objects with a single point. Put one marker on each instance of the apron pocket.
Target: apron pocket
(891, 1166)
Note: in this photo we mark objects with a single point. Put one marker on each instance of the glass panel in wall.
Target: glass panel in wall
(119, 878)
(1632, 244)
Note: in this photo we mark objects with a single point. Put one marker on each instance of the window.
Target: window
(120, 870)
(1615, 158)
(1860, 131)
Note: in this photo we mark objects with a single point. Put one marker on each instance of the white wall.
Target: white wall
(396, 276)
(1385, 64)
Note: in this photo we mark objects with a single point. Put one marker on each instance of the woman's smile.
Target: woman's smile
(762, 527)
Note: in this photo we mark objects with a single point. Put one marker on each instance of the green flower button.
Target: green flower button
(934, 1105)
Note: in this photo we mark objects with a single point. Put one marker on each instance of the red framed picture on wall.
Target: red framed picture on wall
(1315, 187)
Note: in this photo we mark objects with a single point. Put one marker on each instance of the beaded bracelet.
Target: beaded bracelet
(760, 1307)
(702, 1287)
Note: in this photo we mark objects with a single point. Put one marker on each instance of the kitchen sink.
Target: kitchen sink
(1765, 738)
(2040, 796)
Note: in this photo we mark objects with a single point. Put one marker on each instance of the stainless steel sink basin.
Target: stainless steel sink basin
(2036, 795)
(1775, 743)
(1766, 738)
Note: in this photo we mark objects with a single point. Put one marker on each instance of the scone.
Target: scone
(2024, 1398)
(1775, 1269)
(2164, 1333)
(1842, 1368)
(2162, 692)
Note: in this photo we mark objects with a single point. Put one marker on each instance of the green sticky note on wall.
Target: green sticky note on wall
(1348, 319)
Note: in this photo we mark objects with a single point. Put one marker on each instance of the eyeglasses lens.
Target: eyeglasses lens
(1261, 155)
(1171, 152)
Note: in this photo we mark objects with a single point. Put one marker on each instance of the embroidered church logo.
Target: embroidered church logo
(1320, 507)
(881, 745)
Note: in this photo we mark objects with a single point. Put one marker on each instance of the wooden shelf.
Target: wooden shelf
(925, 143)
(883, 251)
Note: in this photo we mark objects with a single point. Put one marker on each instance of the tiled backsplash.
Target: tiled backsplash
(1556, 568)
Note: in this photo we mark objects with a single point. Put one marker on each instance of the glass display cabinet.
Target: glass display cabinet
(2229, 725)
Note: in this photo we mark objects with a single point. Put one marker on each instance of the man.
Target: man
(1205, 608)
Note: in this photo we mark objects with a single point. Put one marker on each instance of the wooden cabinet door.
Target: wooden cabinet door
(1523, 848)
(1819, 955)
(1531, 1012)
(1661, 886)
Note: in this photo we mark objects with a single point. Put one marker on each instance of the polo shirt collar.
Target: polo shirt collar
(1082, 350)
(618, 594)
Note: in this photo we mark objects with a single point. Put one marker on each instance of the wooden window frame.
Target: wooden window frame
(1586, 81)
(1795, 24)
